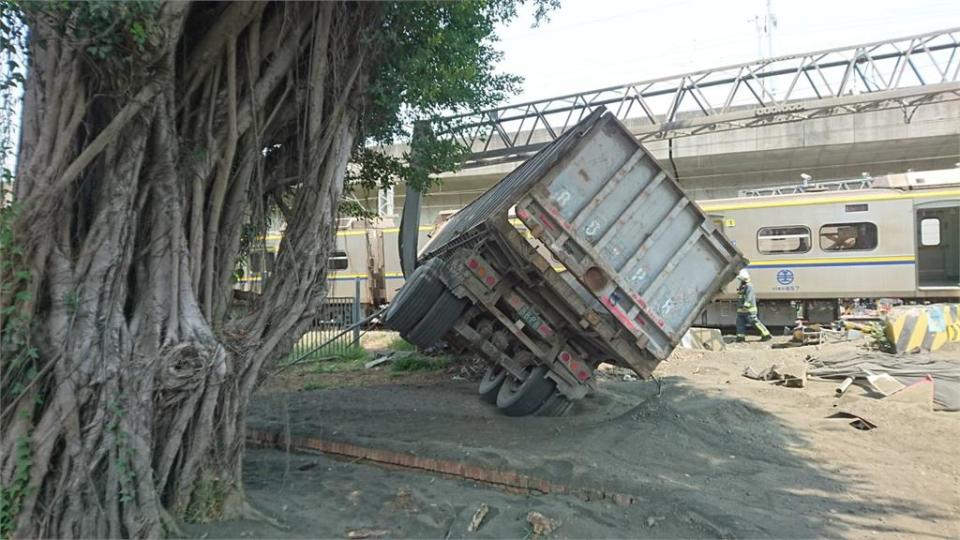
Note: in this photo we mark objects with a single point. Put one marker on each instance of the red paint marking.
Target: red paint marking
(547, 222)
(545, 330)
(618, 313)
(574, 366)
(582, 375)
(522, 213)
(565, 356)
(491, 281)
(515, 301)
(473, 263)
(641, 321)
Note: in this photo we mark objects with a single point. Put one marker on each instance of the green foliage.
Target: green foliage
(11, 496)
(417, 362)
(18, 357)
(879, 340)
(119, 38)
(437, 58)
(206, 499)
(334, 358)
(122, 455)
(401, 345)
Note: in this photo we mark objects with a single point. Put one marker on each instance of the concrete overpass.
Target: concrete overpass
(880, 108)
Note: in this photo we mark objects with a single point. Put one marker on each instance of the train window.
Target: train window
(790, 239)
(848, 236)
(338, 261)
(857, 208)
(930, 232)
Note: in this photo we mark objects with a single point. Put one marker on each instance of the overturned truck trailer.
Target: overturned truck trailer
(612, 264)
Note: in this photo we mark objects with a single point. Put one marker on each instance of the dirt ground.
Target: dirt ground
(713, 454)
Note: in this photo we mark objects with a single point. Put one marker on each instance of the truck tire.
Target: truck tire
(555, 405)
(521, 398)
(491, 382)
(437, 321)
(415, 298)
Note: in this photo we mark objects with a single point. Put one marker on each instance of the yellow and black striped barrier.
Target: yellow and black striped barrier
(923, 328)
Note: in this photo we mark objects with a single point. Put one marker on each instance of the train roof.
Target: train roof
(945, 183)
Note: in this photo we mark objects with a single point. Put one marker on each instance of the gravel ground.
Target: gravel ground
(712, 454)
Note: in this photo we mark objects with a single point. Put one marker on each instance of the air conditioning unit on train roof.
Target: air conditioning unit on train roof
(919, 179)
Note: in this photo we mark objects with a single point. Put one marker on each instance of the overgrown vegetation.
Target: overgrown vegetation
(418, 362)
(349, 359)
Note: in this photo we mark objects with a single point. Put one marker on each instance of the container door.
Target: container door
(938, 247)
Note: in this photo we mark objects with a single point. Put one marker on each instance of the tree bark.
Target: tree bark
(133, 199)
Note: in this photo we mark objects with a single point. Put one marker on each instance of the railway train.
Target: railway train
(895, 237)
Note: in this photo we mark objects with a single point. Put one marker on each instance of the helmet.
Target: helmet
(743, 275)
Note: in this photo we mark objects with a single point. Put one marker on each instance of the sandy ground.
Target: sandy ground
(713, 455)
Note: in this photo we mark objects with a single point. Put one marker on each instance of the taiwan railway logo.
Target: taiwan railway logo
(785, 277)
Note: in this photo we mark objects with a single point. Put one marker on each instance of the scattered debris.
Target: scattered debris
(708, 339)
(790, 372)
(919, 393)
(388, 358)
(357, 534)
(842, 387)
(542, 525)
(354, 497)
(906, 369)
(858, 422)
(478, 516)
(307, 466)
(653, 520)
(884, 384)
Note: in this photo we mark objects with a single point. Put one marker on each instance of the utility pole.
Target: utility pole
(765, 26)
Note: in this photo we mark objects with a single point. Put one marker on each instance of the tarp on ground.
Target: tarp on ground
(943, 367)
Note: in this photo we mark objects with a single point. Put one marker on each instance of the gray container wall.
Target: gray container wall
(626, 230)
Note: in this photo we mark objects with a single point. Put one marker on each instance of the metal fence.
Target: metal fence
(333, 331)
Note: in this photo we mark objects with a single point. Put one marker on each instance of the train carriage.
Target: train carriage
(897, 239)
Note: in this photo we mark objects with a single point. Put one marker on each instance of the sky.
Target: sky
(591, 44)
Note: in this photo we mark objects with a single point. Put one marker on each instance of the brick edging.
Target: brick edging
(497, 477)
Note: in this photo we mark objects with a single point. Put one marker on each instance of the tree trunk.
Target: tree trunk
(133, 199)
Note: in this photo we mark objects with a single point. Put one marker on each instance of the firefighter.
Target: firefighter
(747, 309)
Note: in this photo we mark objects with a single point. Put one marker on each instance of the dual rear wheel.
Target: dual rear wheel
(535, 394)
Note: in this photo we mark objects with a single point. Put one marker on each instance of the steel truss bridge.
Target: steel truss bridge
(903, 73)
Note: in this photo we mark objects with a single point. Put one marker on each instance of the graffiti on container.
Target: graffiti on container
(667, 307)
(639, 274)
(592, 228)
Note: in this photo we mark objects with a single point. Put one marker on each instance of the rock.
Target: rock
(478, 516)
(542, 525)
(357, 534)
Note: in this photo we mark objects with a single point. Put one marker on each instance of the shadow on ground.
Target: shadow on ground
(702, 465)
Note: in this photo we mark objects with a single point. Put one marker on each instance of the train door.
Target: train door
(938, 246)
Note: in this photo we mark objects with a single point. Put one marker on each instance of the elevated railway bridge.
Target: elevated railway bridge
(880, 108)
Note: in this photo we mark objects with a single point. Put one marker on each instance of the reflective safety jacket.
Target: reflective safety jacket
(746, 298)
